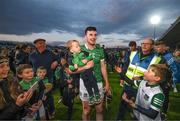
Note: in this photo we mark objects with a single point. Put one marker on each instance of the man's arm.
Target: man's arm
(54, 64)
(90, 64)
(104, 74)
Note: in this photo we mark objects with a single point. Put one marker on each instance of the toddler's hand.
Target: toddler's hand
(84, 61)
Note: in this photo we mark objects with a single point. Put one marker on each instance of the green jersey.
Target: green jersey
(98, 55)
(45, 80)
(148, 96)
(57, 72)
(26, 85)
(77, 59)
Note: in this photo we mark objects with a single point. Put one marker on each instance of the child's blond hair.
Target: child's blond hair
(69, 43)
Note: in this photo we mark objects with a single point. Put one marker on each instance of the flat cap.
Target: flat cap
(37, 40)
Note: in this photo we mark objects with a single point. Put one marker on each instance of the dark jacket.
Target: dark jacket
(11, 111)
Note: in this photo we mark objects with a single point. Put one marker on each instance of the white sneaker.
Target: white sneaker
(175, 89)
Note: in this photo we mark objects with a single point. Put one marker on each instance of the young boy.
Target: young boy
(41, 74)
(80, 60)
(150, 96)
(66, 87)
(25, 72)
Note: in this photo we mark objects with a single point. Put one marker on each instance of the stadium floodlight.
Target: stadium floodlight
(155, 21)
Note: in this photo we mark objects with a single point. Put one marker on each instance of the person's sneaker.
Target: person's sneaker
(175, 89)
(91, 100)
(97, 99)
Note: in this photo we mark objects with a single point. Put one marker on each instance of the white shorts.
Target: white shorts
(84, 96)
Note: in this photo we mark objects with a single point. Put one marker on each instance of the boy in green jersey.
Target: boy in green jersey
(41, 74)
(25, 72)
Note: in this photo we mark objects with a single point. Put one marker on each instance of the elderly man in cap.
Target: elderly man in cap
(44, 57)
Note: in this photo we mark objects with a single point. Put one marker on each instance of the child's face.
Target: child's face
(41, 74)
(4, 69)
(150, 76)
(27, 74)
(75, 48)
(160, 48)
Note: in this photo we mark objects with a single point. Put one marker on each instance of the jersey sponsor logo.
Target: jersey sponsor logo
(146, 97)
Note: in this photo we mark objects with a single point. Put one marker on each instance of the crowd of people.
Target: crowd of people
(28, 76)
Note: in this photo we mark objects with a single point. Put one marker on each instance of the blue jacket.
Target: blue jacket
(173, 66)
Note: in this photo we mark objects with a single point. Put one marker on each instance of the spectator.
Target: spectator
(22, 56)
(138, 63)
(25, 72)
(11, 99)
(150, 97)
(132, 48)
(44, 57)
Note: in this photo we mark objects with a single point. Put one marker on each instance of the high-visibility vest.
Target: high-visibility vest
(137, 67)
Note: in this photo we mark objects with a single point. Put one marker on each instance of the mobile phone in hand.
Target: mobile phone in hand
(34, 86)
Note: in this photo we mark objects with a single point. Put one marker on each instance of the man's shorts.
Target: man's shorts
(84, 96)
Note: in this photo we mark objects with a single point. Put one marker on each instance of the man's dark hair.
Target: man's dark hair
(90, 28)
(22, 67)
(132, 43)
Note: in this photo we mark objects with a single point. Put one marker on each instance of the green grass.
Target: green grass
(111, 112)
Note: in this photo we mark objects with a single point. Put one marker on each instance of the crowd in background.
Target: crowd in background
(22, 54)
